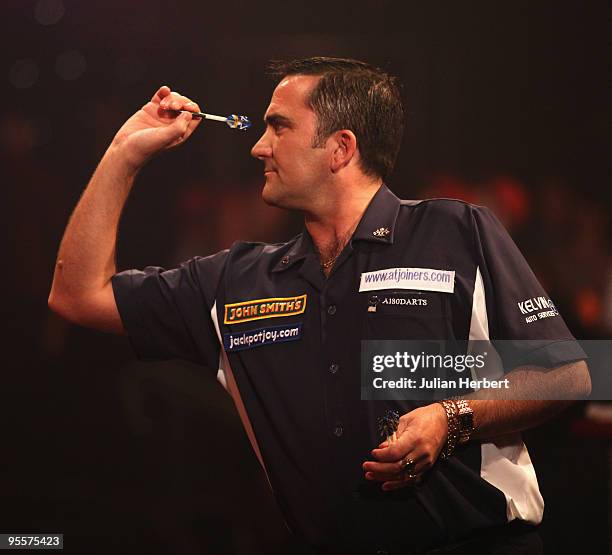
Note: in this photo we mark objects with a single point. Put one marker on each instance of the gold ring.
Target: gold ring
(408, 466)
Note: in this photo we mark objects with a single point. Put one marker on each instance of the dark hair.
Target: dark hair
(357, 96)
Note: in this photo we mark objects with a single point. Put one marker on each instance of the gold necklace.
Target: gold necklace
(330, 262)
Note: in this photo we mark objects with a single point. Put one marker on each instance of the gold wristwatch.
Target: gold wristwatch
(465, 420)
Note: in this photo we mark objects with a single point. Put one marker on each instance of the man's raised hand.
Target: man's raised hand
(157, 126)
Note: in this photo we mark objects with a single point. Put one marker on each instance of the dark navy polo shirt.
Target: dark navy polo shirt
(286, 341)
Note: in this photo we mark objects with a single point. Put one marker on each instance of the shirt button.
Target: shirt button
(338, 430)
(331, 309)
(285, 260)
(333, 368)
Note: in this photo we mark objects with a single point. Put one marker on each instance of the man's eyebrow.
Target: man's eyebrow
(277, 119)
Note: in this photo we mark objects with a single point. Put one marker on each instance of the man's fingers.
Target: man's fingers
(397, 481)
(169, 102)
(393, 452)
(386, 477)
(177, 132)
(398, 484)
(382, 471)
(383, 476)
(384, 468)
(161, 93)
(183, 121)
(176, 101)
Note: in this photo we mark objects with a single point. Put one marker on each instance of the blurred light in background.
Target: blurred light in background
(23, 74)
(588, 306)
(70, 65)
(18, 135)
(49, 12)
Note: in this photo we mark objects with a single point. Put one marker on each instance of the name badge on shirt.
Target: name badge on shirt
(421, 279)
(258, 309)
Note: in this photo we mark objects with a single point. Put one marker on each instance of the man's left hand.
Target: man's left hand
(421, 434)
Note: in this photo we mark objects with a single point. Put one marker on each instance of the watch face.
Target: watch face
(466, 421)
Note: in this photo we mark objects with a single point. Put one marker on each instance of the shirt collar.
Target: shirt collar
(302, 245)
(377, 225)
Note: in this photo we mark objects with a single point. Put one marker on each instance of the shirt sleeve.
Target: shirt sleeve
(167, 313)
(519, 311)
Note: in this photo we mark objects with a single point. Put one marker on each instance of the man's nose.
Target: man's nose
(261, 149)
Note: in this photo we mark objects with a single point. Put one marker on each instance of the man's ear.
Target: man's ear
(344, 149)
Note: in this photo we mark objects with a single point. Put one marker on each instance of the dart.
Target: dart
(233, 121)
(387, 425)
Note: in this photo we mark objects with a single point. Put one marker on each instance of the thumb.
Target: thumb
(178, 128)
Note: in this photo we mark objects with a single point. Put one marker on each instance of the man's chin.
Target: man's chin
(275, 195)
(271, 196)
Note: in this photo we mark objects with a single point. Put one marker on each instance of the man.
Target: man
(284, 323)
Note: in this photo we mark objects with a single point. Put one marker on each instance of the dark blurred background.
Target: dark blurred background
(508, 105)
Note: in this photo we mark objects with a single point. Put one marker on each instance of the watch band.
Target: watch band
(451, 419)
(460, 420)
